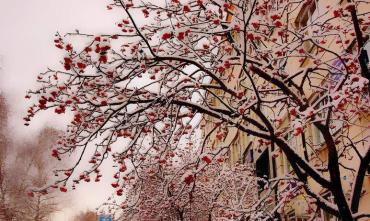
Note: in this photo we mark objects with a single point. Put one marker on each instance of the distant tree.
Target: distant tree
(86, 216)
(5, 213)
(31, 169)
(24, 164)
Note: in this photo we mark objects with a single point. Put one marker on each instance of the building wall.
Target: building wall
(239, 142)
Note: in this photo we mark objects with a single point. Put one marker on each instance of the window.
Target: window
(317, 138)
(291, 216)
(263, 169)
(335, 124)
(306, 14)
(292, 141)
(247, 156)
(367, 50)
(285, 165)
(327, 216)
(334, 77)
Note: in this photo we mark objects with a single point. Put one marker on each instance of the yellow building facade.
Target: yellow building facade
(310, 144)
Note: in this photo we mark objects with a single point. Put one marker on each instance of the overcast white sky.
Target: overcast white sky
(26, 49)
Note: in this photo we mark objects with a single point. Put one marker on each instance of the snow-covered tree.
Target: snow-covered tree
(269, 69)
(188, 188)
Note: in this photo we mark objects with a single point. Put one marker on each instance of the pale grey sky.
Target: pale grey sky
(26, 49)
